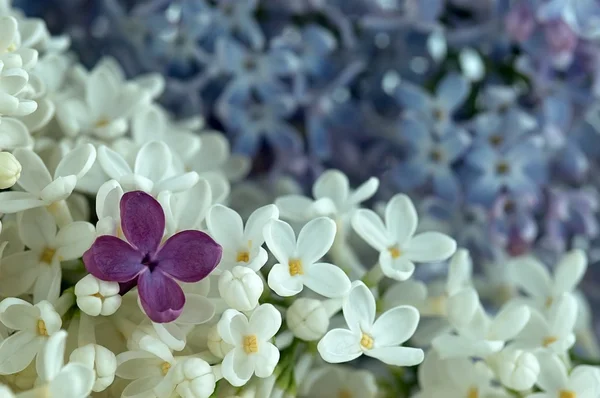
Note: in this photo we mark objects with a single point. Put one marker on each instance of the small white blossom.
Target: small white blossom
(308, 318)
(341, 381)
(241, 288)
(298, 264)
(217, 346)
(398, 248)
(97, 297)
(252, 352)
(101, 360)
(516, 369)
(555, 380)
(10, 170)
(194, 378)
(380, 339)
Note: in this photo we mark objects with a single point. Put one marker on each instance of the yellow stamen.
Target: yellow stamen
(344, 394)
(567, 394)
(549, 302)
(41, 328)
(366, 341)
(395, 252)
(295, 266)
(102, 122)
(165, 367)
(243, 256)
(548, 340)
(11, 48)
(101, 297)
(473, 393)
(250, 344)
(47, 255)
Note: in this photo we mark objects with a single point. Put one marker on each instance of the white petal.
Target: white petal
(59, 189)
(77, 162)
(153, 161)
(141, 388)
(232, 326)
(588, 376)
(365, 191)
(339, 345)
(47, 284)
(197, 310)
(108, 199)
(171, 334)
(332, 184)
(34, 176)
(268, 356)
(282, 283)
(553, 374)
(395, 326)
(50, 360)
(74, 380)
(430, 246)
(401, 218)
(397, 356)
(327, 280)
(74, 239)
(225, 226)
(14, 134)
(410, 292)
(265, 321)
(257, 221)
(399, 268)
(17, 352)
(369, 226)
(214, 151)
(14, 202)
(563, 315)
(178, 183)
(18, 314)
(148, 124)
(315, 240)
(294, 207)
(531, 276)
(460, 270)
(137, 364)
(462, 307)
(359, 307)
(193, 205)
(569, 271)
(19, 272)
(112, 163)
(37, 229)
(280, 239)
(453, 346)
(237, 367)
(508, 322)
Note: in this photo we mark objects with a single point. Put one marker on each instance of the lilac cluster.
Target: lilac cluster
(486, 111)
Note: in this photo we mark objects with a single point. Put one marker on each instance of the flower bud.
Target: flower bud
(216, 345)
(241, 288)
(101, 360)
(516, 369)
(10, 170)
(307, 319)
(97, 297)
(194, 378)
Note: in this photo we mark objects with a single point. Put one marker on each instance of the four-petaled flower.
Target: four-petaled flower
(188, 256)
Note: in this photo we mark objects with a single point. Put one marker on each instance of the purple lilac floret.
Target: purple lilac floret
(188, 256)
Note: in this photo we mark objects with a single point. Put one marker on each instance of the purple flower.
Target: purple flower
(188, 256)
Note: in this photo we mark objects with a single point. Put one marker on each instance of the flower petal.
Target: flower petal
(395, 326)
(37, 229)
(74, 239)
(17, 351)
(50, 359)
(508, 322)
(430, 246)
(282, 283)
(359, 308)
(112, 163)
(47, 284)
(237, 367)
(294, 207)
(365, 191)
(19, 272)
(77, 162)
(14, 202)
(531, 276)
(189, 256)
(401, 218)
(280, 239)
(369, 226)
(265, 321)
(74, 380)
(460, 271)
(197, 310)
(161, 297)
(339, 345)
(553, 374)
(327, 280)
(268, 356)
(257, 221)
(315, 240)
(226, 226)
(569, 271)
(112, 259)
(399, 268)
(397, 356)
(142, 220)
(34, 176)
(332, 184)
(153, 161)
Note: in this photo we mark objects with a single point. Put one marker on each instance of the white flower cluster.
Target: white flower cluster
(290, 298)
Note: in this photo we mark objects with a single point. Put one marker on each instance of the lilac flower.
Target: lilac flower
(188, 256)
(431, 159)
(512, 224)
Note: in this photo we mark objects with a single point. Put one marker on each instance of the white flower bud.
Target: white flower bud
(241, 288)
(194, 378)
(101, 360)
(307, 319)
(10, 170)
(97, 297)
(516, 369)
(216, 345)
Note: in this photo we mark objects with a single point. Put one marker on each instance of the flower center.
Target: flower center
(12, 47)
(47, 255)
(436, 155)
(473, 393)
(165, 367)
(395, 252)
(250, 344)
(101, 297)
(567, 394)
(548, 340)
(344, 394)
(41, 328)
(243, 256)
(149, 262)
(496, 140)
(102, 122)
(549, 302)
(366, 341)
(502, 168)
(295, 266)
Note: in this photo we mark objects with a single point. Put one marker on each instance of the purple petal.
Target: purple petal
(142, 221)
(112, 259)
(189, 256)
(161, 297)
